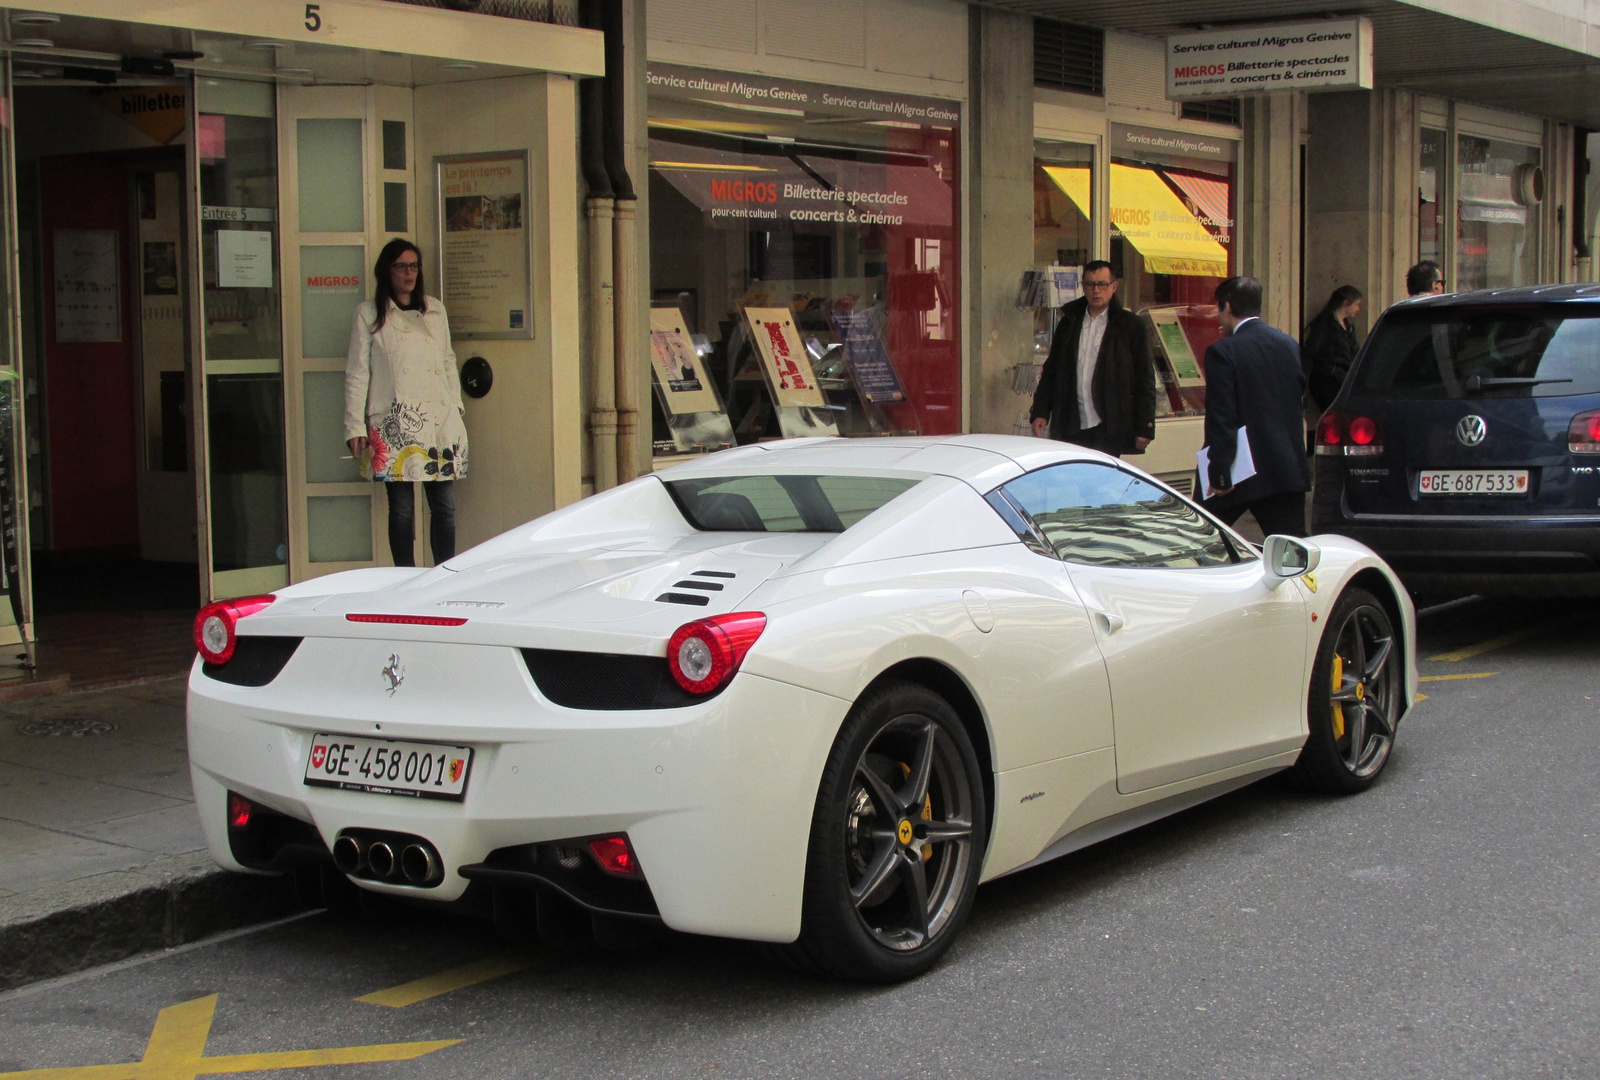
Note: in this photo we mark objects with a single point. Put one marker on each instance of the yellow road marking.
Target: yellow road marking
(1422, 697)
(1503, 640)
(431, 986)
(1463, 675)
(177, 1046)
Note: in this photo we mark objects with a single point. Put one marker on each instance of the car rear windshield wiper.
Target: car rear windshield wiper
(1475, 383)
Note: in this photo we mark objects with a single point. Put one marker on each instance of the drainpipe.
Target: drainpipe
(625, 249)
(600, 206)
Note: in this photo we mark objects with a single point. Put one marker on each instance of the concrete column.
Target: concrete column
(1361, 196)
(1001, 142)
(1268, 225)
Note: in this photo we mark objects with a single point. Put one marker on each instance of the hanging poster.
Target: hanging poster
(88, 286)
(874, 375)
(678, 370)
(783, 358)
(484, 244)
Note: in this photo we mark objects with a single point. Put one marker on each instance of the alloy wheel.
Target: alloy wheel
(908, 832)
(1363, 693)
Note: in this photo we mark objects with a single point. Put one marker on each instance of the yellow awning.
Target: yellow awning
(1151, 218)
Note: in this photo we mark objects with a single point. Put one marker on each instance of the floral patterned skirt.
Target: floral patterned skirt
(407, 443)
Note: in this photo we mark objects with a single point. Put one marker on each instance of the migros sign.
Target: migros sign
(333, 281)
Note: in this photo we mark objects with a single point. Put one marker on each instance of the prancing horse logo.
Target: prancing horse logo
(394, 673)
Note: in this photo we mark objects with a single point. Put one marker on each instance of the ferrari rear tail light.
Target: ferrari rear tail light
(1343, 435)
(213, 626)
(239, 810)
(705, 654)
(1583, 434)
(615, 856)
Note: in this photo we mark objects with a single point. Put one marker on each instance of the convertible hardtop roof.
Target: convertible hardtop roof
(1523, 295)
(983, 461)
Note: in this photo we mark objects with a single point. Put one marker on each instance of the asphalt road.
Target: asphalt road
(1444, 924)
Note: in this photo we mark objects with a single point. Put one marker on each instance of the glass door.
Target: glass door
(240, 428)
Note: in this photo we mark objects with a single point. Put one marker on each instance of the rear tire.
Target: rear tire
(1353, 704)
(897, 840)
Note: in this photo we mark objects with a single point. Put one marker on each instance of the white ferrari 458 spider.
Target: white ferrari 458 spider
(808, 693)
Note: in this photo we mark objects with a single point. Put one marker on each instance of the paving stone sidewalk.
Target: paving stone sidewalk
(101, 855)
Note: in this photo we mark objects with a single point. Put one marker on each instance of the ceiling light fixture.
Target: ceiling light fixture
(264, 46)
(33, 43)
(459, 65)
(36, 18)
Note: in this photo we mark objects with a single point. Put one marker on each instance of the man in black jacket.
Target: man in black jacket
(1098, 387)
(1253, 381)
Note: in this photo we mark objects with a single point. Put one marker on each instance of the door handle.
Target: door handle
(1109, 624)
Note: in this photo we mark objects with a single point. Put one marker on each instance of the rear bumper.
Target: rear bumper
(1471, 546)
(715, 799)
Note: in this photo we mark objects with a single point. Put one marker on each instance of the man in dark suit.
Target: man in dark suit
(1253, 381)
(1098, 387)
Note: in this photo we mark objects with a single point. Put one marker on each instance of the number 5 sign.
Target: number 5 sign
(313, 17)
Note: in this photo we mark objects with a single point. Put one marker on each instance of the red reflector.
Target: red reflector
(1363, 431)
(239, 809)
(614, 855)
(409, 620)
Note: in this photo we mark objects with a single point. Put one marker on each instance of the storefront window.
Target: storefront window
(1172, 214)
(1498, 193)
(1430, 190)
(809, 239)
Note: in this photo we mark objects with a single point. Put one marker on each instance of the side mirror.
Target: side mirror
(1285, 558)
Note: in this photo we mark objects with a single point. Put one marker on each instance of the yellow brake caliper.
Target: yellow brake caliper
(1338, 684)
(927, 808)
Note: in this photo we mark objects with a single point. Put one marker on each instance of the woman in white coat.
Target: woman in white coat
(402, 402)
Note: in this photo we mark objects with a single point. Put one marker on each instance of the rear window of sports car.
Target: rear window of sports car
(783, 503)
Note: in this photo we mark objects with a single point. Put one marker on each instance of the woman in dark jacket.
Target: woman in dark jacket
(1328, 347)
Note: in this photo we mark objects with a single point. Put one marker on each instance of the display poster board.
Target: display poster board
(870, 367)
(485, 244)
(679, 371)
(788, 369)
(88, 286)
(1176, 345)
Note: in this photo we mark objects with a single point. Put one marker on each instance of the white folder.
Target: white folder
(1244, 465)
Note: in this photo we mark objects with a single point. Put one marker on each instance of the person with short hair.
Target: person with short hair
(1098, 386)
(1254, 381)
(1328, 346)
(1424, 279)
(402, 399)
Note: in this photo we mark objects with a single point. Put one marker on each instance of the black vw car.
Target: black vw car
(1465, 445)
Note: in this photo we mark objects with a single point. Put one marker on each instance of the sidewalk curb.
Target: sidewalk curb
(171, 902)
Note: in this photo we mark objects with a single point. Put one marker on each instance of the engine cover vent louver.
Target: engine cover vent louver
(703, 586)
(712, 573)
(692, 599)
(606, 681)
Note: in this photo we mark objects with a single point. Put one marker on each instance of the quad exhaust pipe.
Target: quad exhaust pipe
(390, 857)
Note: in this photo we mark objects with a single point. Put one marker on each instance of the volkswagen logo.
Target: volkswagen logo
(1471, 430)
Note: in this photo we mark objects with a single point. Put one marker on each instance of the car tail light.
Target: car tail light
(705, 654)
(407, 620)
(615, 856)
(213, 627)
(1343, 435)
(1583, 434)
(239, 810)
